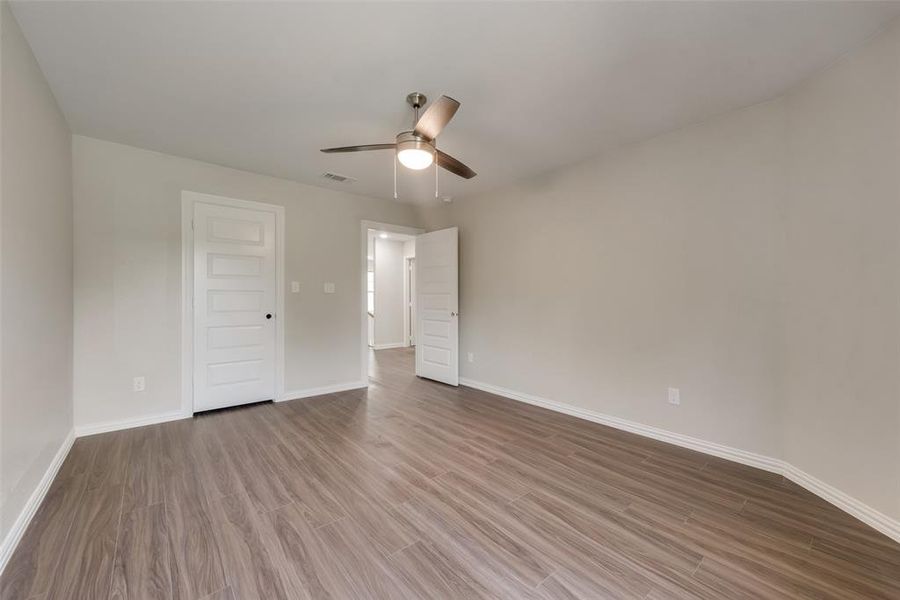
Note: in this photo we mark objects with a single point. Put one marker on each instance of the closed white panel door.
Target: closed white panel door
(437, 305)
(234, 306)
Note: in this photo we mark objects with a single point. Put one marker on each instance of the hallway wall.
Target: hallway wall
(388, 293)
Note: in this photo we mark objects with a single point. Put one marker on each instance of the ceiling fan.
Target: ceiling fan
(416, 149)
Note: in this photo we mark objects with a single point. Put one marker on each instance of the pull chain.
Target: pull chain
(395, 175)
(435, 170)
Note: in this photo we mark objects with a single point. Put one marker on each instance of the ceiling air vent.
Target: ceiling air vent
(338, 178)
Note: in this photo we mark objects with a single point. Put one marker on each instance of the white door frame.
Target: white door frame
(364, 228)
(188, 199)
(409, 300)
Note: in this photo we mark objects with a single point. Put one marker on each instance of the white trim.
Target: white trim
(409, 300)
(364, 227)
(727, 452)
(389, 346)
(107, 426)
(188, 199)
(862, 511)
(37, 496)
(325, 389)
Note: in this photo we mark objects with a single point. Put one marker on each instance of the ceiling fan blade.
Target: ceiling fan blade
(436, 117)
(454, 166)
(364, 148)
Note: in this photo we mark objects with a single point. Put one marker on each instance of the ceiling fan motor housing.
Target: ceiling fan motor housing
(408, 140)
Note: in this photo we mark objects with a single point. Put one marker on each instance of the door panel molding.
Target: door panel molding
(239, 232)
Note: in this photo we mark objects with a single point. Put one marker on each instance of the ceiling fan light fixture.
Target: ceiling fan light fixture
(413, 152)
(416, 149)
(415, 158)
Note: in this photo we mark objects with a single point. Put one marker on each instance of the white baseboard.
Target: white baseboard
(37, 496)
(105, 427)
(862, 511)
(389, 346)
(727, 452)
(325, 389)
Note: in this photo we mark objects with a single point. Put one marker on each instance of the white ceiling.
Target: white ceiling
(262, 86)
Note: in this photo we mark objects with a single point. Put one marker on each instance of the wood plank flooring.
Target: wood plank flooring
(413, 489)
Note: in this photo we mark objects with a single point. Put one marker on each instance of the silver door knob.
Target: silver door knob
(453, 314)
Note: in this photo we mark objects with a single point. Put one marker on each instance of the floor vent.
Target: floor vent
(338, 178)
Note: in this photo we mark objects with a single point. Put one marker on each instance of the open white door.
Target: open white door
(234, 306)
(437, 305)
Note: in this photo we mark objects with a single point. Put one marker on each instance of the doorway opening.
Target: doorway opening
(389, 298)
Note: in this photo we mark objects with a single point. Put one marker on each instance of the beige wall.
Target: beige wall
(842, 276)
(35, 274)
(603, 284)
(388, 292)
(753, 261)
(128, 275)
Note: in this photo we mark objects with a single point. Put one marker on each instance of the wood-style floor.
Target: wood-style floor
(418, 490)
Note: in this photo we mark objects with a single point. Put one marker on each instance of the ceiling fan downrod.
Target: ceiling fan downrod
(417, 101)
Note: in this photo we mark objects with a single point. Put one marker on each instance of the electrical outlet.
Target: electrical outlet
(140, 384)
(295, 287)
(674, 396)
(329, 288)
(471, 357)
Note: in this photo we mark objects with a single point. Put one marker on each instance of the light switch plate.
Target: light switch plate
(329, 287)
(140, 384)
(295, 287)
